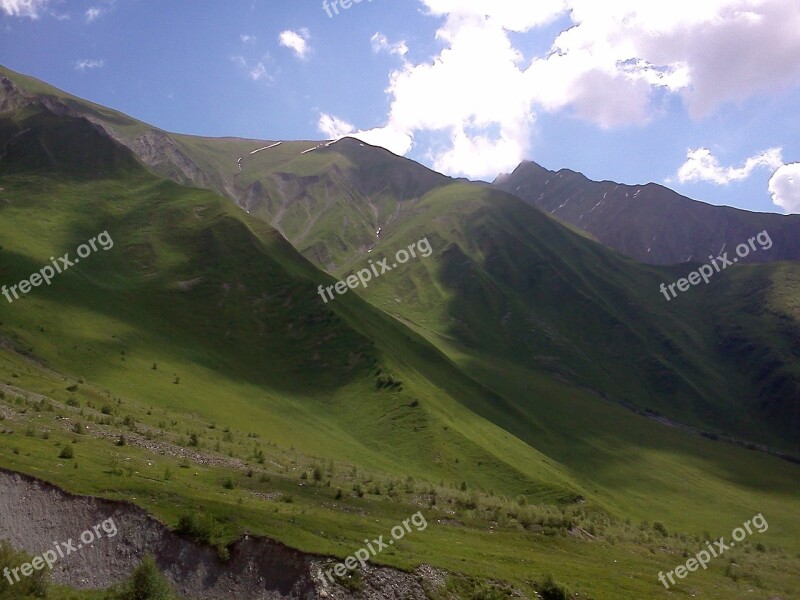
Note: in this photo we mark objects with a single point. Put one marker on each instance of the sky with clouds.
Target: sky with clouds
(699, 95)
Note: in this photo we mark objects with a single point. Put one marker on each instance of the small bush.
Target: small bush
(202, 527)
(34, 586)
(67, 452)
(550, 590)
(659, 527)
(145, 583)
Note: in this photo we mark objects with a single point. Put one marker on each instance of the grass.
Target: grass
(200, 333)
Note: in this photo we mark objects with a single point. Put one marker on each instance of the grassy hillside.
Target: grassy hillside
(460, 385)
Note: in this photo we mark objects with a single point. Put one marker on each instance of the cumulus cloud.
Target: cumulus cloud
(247, 39)
(785, 188)
(297, 42)
(386, 137)
(702, 165)
(333, 127)
(613, 64)
(709, 52)
(89, 63)
(24, 8)
(93, 14)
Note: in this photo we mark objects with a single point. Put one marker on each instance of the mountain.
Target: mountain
(505, 282)
(524, 387)
(650, 223)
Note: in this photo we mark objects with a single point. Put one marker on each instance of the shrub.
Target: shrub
(202, 528)
(659, 527)
(145, 583)
(67, 452)
(351, 581)
(550, 590)
(34, 586)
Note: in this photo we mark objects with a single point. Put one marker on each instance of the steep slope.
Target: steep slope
(200, 339)
(329, 208)
(190, 271)
(510, 284)
(650, 223)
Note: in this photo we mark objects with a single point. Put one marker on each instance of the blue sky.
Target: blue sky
(700, 95)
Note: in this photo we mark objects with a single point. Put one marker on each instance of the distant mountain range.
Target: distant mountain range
(650, 223)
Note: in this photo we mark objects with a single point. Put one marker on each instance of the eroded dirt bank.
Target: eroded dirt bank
(35, 514)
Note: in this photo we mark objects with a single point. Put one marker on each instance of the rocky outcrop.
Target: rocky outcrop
(35, 514)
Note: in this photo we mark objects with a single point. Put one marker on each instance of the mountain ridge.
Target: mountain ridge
(650, 223)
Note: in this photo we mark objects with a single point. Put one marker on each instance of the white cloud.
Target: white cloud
(24, 8)
(709, 52)
(613, 64)
(386, 137)
(389, 137)
(702, 165)
(297, 41)
(380, 43)
(93, 14)
(82, 65)
(333, 127)
(474, 92)
(259, 72)
(785, 188)
(247, 39)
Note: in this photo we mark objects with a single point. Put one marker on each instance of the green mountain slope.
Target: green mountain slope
(200, 334)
